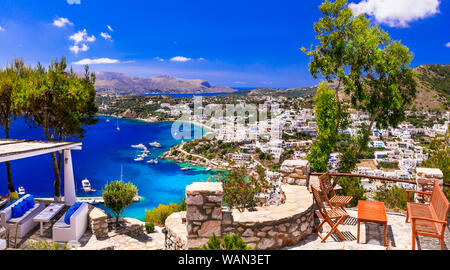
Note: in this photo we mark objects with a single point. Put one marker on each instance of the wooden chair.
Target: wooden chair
(328, 216)
(327, 188)
(428, 219)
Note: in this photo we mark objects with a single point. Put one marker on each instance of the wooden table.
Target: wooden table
(47, 214)
(371, 211)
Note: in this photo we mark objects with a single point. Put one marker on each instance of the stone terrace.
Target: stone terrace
(371, 236)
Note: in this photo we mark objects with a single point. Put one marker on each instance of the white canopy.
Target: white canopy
(20, 149)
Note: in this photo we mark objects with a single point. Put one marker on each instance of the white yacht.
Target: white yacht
(139, 146)
(139, 159)
(155, 144)
(153, 161)
(21, 191)
(86, 185)
(118, 128)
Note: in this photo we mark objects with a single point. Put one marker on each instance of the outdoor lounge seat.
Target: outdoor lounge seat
(428, 219)
(328, 215)
(327, 188)
(63, 232)
(24, 223)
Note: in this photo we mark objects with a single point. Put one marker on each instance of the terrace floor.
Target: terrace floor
(371, 236)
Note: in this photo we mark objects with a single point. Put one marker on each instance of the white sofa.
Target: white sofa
(24, 223)
(63, 232)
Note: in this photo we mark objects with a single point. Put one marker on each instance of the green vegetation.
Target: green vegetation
(440, 158)
(369, 66)
(436, 77)
(351, 187)
(394, 198)
(233, 242)
(54, 99)
(42, 244)
(149, 227)
(240, 189)
(159, 215)
(118, 196)
(326, 109)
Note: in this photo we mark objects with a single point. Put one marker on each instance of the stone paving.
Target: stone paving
(371, 236)
(145, 241)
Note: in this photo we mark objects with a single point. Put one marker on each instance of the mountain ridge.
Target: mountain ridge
(116, 83)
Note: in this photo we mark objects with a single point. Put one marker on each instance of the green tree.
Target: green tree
(12, 79)
(372, 69)
(326, 114)
(61, 103)
(240, 189)
(117, 196)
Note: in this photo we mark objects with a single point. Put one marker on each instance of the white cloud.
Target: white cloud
(88, 61)
(2, 29)
(61, 22)
(180, 59)
(447, 45)
(76, 49)
(201, 59)
(82, 36)
(396, 13)
(105, 35)
(157, 58)
(110, 28)
(71, 2)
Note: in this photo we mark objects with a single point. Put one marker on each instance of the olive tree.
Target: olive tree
(117, 196)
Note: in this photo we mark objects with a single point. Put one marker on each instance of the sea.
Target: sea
(107, 155)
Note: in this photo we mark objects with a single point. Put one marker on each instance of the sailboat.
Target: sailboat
(118, 128)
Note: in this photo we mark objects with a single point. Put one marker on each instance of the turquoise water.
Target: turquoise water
(103, 153)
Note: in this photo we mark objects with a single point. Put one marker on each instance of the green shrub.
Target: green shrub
(149, 227)
(233, 242)
(117, 196)
(351, 187)
(41, 244)
(394, 198)
(240, 189)
(159, 215)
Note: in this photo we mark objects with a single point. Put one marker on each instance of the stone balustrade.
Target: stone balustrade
(295, 172)
(98, 222)
(268, 227)
(203, 212)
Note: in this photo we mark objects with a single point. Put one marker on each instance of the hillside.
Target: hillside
(433, 88)
(433, 91)
(115, 83)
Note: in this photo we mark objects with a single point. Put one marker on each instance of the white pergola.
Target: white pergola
(19, 149)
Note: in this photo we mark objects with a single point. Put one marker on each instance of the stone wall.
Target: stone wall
(274, 226)
(98, 222)
(203, 212)
(295, 172)
(268, 227)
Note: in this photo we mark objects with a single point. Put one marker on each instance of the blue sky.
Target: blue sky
(234, 43)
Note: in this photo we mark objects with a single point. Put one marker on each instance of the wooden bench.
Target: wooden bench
(428, 219)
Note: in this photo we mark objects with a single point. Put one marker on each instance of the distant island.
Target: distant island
(115, 83)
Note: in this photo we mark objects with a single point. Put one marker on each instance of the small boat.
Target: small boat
(118, 128)
(155, 144)
(185, 168)
(139, 146)
(153, 161)
(208, 169)
(21, 191)
(107, 120)
(139, 159)
(86, 185)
